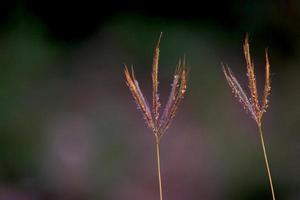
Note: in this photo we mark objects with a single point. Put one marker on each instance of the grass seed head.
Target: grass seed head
(252, 104)
(159, 123)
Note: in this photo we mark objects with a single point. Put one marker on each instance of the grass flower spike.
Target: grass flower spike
(157, 122)
(252, 104)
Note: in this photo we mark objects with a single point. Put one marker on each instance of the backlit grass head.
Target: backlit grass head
(252, 104)
(159, 122)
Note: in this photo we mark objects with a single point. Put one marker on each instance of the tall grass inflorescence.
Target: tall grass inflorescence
(252, 104)
(156, 122)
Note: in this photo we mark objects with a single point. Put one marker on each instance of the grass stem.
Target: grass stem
(158, 170)
(266, 160)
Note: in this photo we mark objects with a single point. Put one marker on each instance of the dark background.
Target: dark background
(69, 128)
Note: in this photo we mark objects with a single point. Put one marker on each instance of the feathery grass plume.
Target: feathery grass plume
(156, 122)
(252, 104)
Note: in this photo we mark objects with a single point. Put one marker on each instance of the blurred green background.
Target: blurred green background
(69, 129)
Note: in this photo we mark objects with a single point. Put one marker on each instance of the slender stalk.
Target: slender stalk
(158, 170)
(266, 160)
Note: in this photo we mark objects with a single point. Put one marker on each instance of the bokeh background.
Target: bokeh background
(69, 129)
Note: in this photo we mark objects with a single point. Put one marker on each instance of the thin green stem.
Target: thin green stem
(158, 170)
(266, 160)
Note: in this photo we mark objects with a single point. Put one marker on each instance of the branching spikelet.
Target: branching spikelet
(267, 87)
(251, 104)
(251, 78)
(138, 96)
(238, 91)
(176, 95)
(159, 124)
(155, 96)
